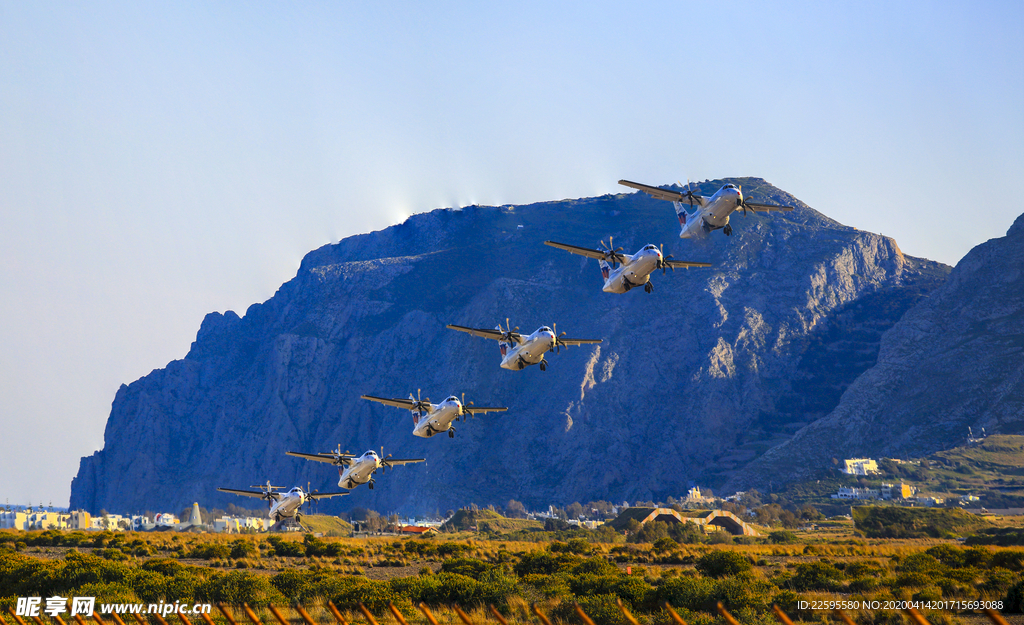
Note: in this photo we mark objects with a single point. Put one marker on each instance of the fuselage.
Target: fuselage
(636, 271)
(360, 471)
(438, 419)
(713, 215)
(287, 505)
(530, 352)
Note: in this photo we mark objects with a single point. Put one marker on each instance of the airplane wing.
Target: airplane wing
(250, 493)
(578, 341)
(764, 208)
(408, 404)
(345, 459)
(684, 264)
(487, 334)
(585, 251)
(399, 461)
(663, 194)
(326, 495)
(482, 410)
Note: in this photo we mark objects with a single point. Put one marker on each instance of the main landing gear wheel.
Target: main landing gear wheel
(727, 230)
(648, 287)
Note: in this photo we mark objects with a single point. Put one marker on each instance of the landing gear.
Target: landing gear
(727, 230)
(451, 432)
(648, 287)
(370, 484)
(543, 365)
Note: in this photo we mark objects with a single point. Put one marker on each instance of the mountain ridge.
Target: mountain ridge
(937, 371)
(682, 375)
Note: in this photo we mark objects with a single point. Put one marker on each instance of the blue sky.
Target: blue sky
(158, 162)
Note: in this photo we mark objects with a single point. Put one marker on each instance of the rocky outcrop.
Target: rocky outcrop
(683, 378)
(954, 361)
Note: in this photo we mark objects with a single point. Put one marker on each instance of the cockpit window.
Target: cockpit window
(730, 186)
(453, 398)
(650, 247)
(294, 489)
(545, 329)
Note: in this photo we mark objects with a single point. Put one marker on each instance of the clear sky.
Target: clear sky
(159, 161)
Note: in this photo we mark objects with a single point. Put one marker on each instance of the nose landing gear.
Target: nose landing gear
(727, 230)
(543, 365)
(451, 432)
(648, 287)
(370, 484)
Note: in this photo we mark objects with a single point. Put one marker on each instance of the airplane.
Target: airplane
(430, 419)
(634, 271)
(519, 352)
(713, 212)
(282, 505)
(357, 470)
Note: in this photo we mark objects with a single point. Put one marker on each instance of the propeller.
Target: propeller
(742, 202)
(557, 345)
(663, 263)
(462, 410)
(421, 404)
(506, 334)
(689, 193)
(610, 255)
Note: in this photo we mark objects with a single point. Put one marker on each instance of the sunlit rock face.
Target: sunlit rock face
(954, 361)
(691, 383)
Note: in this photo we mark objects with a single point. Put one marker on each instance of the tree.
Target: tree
(574, 510)
(515, 509)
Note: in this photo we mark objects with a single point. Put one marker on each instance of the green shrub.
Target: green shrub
(238, 587)
(596, 566)
(782, 537)
(817, 576)
(470, 567)
(721, 562)
(210, 551)
(923, 563)
(1012, 559)
(864, 584)
(1013, 602)
(244, 549)
(602, 609)
(691, 593)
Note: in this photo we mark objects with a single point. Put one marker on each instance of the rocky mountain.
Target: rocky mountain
(692, 382)
(954, 361)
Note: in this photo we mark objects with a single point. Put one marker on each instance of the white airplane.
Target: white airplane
(356, 470)
(430, 419)
(282, 505)
(518, 351)
(713, 212)
(634, 270)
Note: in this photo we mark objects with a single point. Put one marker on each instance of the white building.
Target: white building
(857, 493)
(860, 466)
(237, 525)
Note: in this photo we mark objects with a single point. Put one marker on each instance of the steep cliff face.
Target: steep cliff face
(683, 375)
(955, 360)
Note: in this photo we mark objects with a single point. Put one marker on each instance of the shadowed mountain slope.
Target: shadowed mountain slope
(955, 360)
(684, 374)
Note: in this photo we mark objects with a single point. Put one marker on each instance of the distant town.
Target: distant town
(741, 507)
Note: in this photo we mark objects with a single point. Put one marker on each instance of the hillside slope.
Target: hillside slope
(683, 377)
(953, 361)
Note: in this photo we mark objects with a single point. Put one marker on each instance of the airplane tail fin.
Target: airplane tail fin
(681, 212)
(605, 268)
(416, 413)
(502, 345)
